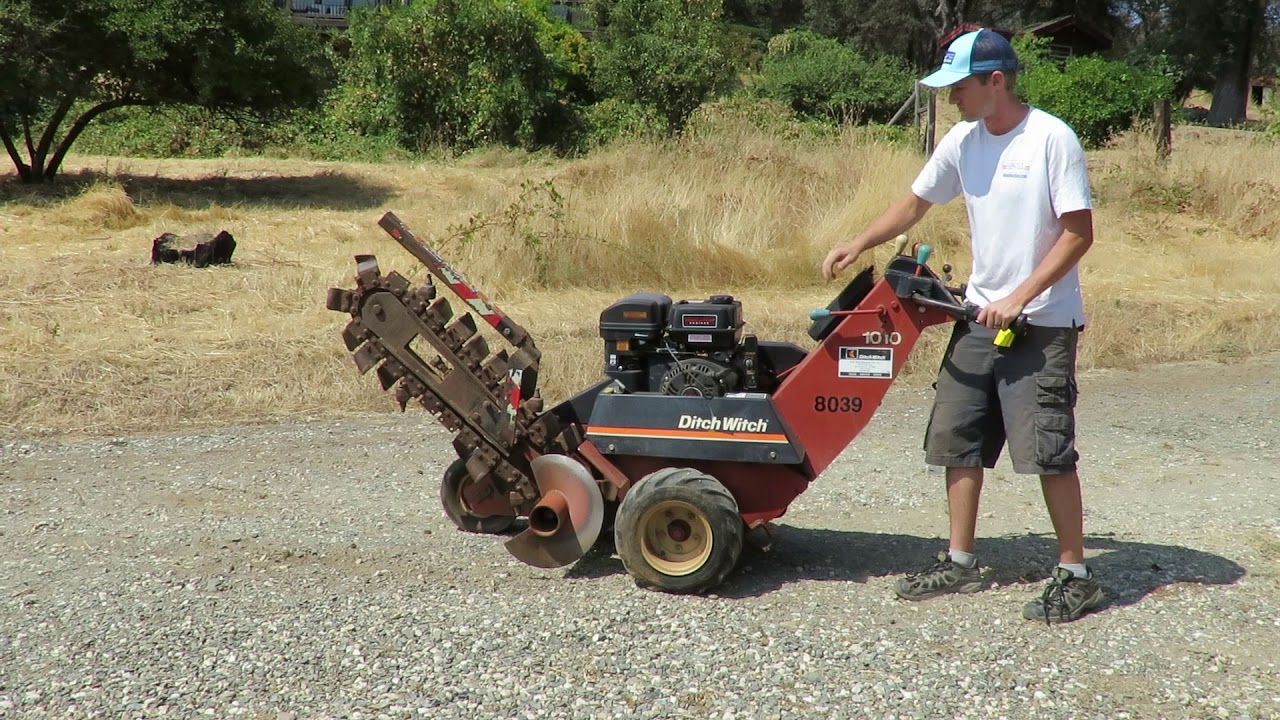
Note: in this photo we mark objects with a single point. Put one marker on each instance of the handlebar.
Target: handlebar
(915, 282)
(957, 311)
(967, 312)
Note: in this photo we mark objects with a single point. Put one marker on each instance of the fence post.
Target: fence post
(903, 110)
(1163, 129)
(931, 123)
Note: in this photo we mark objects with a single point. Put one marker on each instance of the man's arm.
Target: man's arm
(1077, 236)
(897, 219)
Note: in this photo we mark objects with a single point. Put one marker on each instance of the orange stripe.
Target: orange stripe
(687, 434)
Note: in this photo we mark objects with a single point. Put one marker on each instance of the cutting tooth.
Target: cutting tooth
(368, 356)
(354, 333)
(389, 373)
(425, 293)
(495, 370)
(367, 272)
(460, 331)
(475, 351)
(407, 390)
(339, 300)
(396, 283)
(439, 312)
(441, 366)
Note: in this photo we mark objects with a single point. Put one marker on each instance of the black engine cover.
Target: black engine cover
(706, 326)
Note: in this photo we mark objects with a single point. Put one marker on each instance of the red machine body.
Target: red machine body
(823, 403)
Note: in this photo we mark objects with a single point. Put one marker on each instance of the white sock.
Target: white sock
(962, 558)
(1081, 571)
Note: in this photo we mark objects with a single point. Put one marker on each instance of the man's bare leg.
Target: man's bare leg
(1065, 599)
(1066, 510)
(964, 486)
(959, 574)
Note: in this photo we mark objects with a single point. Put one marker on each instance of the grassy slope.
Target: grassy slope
(98, 341)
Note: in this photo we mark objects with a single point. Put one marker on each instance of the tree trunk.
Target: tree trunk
(78, 127)
(1231, 88)
(24, 170)
(38, 170)
(1163, 128)
(1230, 96)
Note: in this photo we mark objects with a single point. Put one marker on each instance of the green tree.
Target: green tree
(661, 54)
(819, 76)
(462, 73)
(877, 27)
(1097, 97)
(66, 62)
(1218, 45)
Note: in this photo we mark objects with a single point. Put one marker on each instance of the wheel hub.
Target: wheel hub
(677, 538)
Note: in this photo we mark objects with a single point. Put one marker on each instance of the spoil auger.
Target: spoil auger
(695, 433)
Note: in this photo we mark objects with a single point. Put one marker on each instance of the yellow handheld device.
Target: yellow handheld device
(1005, 337)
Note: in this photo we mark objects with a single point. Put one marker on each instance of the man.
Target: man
(1023, 177)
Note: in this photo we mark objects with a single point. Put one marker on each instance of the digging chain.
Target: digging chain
(412, 341)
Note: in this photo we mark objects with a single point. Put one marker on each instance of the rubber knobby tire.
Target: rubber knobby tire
(451, 499)
(679, 488)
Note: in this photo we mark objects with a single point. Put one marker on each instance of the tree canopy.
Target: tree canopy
(460, 73)
(66, 62)
(463, 73)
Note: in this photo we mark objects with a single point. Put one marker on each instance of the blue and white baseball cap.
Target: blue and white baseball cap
(974, 53)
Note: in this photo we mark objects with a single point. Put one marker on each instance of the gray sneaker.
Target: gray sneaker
(1065, 598)
(940, 578)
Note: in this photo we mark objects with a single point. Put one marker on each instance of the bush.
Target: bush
(185, 131)
(612, 119)
(1271, 115)
(743, 114)
(666, 55)
(1095, 96)
(460, 73)
(821, 77)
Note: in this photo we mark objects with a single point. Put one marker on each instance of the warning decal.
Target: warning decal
(866, 362)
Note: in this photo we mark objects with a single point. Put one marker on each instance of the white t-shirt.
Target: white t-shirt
(1015, 186)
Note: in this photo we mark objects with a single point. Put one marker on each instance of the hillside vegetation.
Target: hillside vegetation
(99, 341)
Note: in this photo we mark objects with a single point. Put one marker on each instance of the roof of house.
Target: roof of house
(1047, 27)
(963, 28)
(1058, 24)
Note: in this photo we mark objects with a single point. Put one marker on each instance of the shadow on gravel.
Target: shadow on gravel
(1129, 570)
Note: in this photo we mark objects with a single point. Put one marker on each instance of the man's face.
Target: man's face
(974, 99)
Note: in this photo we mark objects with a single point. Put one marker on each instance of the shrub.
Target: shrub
(742, 114)
(460, 73)
(185, 131)
(821, 77)
(666, 55)
(1095, 96)
(612, 119)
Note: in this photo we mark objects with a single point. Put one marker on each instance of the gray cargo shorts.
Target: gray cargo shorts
(1024, 395)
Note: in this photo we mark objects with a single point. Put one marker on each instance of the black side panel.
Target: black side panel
(577, 409)
(779, 356)
(739, 429)
(848, 299)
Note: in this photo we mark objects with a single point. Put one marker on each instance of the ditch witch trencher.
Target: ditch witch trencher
(696, 433)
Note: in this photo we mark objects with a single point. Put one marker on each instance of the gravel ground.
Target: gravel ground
(305, 571)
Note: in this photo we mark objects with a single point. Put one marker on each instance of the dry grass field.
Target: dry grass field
(98, 341)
